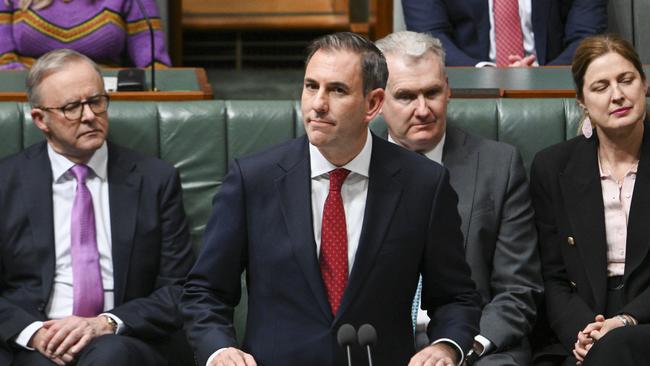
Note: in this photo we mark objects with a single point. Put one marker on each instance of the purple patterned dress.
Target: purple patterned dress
(111, 32)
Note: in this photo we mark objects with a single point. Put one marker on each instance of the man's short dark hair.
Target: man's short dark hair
(373, 64)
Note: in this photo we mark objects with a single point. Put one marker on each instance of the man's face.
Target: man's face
(335, 111)
(416, 101)
(75, 139)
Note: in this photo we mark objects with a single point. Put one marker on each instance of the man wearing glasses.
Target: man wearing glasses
(93, 237)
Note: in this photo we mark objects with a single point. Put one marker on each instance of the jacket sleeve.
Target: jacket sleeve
(157, 315)
(213, 288)
(448, 292)
(567, 312)
(516, 280)
(430, 16)
(586, 18)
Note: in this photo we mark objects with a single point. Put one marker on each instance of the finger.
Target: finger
(577, 356)
(600, 318)
(596, 334)
(70, 340)
(67, 357)
(81, 343)
(250, 361)
(57, 338)
(513, 58)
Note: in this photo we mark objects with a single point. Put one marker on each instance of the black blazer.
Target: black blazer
(150, 243)
(262, 223)
(568, 202)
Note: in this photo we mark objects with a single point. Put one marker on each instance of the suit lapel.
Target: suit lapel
(639, 217)
(124, 194)
(462, 163)
(292, 187)
(582, 193)
(37, 193)
(383, 196)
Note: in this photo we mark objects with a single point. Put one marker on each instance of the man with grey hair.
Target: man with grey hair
(93, 240)
(494, 204)
(332, 228)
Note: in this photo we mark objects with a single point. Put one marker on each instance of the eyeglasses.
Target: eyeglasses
(73, 111)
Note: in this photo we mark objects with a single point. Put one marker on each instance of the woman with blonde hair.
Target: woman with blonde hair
(591, 196)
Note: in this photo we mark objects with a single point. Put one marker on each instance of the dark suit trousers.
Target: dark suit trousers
(108, 350)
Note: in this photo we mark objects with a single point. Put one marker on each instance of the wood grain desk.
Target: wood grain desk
(173, 84)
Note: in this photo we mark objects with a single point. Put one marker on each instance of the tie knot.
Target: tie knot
(337, 177)
(80, 172)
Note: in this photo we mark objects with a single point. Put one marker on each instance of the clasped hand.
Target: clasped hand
(593, 332)
(61, 340)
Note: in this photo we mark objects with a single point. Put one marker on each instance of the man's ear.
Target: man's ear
(38, 117)
(374, 102)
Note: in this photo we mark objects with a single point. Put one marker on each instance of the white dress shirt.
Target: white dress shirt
(525, 15)
(64, 187)
(353, 193)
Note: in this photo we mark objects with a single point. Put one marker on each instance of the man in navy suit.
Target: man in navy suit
(93, 237)
(551, 29)
(269, 219)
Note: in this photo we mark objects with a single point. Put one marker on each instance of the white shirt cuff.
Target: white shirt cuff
(212, 356)
(120, 324)
(26, 335)
(486, 64)
(486, 343)
(460, 350)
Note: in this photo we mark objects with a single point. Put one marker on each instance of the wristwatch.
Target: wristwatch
(112, 323)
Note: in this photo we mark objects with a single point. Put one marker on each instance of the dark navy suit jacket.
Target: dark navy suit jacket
(463, 27)
(262, 223)
(149, 235)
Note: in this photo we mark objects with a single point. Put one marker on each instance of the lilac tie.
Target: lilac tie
(86, 275)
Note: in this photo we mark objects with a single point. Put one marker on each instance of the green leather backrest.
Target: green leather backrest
(200, 138)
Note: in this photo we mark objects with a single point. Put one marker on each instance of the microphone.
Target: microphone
(347, 336)
(153, 49)
(367, 338)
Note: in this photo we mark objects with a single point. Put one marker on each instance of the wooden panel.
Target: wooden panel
(267, 22)
(382, 19)
(266, 14)
(261, 7)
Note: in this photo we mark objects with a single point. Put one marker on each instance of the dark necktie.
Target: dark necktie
(334, 241)
(86, 274)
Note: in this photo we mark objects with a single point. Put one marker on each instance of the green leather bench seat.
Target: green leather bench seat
(199, 138)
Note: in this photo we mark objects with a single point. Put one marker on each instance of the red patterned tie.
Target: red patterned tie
(507, 30)
(334, 241)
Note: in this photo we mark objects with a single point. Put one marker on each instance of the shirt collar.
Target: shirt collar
(605, 173)
(434, 154)
(61, 165)
(359, 165)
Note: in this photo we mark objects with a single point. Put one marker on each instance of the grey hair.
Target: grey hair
(411, 44)
(47, 64)
(374, 71)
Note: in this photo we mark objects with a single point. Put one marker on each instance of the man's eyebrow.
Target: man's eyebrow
(338, 84)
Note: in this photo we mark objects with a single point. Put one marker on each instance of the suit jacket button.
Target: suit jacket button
(41, 307)
(571, 241)
(573, 284)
